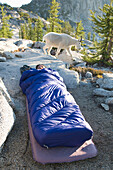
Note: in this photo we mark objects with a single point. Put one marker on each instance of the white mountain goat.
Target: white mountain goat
(60, 41)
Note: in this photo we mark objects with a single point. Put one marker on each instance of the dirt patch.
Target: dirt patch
(17, 153)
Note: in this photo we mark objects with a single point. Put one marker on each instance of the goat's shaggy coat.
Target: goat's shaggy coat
(60, 41)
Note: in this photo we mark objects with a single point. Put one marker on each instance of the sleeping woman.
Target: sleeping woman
(55, 117)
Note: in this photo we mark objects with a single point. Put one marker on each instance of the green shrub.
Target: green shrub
(90, 60)
(24, 15)
(73, 48)
(83, 51)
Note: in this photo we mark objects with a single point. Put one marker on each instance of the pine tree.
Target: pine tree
(5, 30)
(53, 17)
(94, 37)
(20, 36)
(67, 28)
(79, 30)
(35, 33)
(0, 33)
(21, 31)
(26, 30)
(38, 31)
(30, 29)
(89, 36)
(104, 28)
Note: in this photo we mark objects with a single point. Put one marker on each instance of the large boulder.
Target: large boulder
(5, 93)
(7, 45)
(7, 116)
(19, 54)
(106, 82)
(83, 64)
(77, 57)
(70, 77)
(65, 57)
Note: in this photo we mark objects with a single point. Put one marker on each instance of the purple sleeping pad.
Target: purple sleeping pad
(55, 118)
(59, 154)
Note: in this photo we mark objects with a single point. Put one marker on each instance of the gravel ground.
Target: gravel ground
(17, 153)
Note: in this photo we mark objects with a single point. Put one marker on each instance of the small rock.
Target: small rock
(2, 39)
(108, 75)
(99, 82)
(2, 59)
(85, 83)
(81, 64)
(88, 74)
(106, 82)
(102, 92)
(109, 100)
(105, 106)
(95, 65)
(9, 55)
(24, 43)
(39, 45)
(19, 54)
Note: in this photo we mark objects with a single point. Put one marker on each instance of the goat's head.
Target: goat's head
(78, 44)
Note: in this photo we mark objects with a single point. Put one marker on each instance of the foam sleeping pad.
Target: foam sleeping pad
(55, 117)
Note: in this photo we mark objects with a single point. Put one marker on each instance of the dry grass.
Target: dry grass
(95, 72)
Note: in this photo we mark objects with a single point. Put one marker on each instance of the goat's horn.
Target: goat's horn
(80, 39)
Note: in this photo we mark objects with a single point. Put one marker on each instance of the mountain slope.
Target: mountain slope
(71, 10)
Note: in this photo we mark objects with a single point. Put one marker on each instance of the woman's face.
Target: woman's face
(40, 67)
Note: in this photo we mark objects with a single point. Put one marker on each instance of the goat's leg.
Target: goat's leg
(44, 49)
(49, 49)
(69, 51)
(57, 52)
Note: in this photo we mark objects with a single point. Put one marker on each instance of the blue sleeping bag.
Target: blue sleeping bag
(56, 119)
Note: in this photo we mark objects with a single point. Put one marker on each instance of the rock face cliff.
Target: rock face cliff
(71, 10)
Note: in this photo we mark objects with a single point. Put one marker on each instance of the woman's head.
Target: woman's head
(40, 66)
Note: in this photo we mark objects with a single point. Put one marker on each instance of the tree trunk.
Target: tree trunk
(110, 45)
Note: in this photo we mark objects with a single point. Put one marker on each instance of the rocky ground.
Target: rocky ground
(16, 153)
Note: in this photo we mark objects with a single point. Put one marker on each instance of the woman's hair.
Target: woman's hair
(40, 66)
